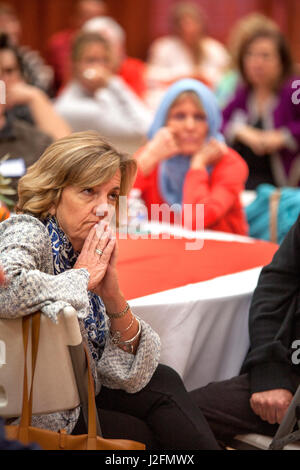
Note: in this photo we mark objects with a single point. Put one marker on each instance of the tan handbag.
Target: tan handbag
(50, 440)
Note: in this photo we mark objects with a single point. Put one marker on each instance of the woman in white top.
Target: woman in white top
(96, 99)
(188, 51)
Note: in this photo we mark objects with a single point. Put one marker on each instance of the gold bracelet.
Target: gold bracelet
(119, 314)
(116, 336)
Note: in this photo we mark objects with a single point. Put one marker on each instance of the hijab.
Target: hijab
(172, 171)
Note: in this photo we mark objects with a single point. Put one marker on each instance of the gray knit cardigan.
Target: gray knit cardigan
(26, 256)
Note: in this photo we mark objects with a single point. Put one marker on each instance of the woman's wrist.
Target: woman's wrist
(198, 162)
(148, 159)
(114, 304)
(244, 132)
(33, 95)
(125, 331)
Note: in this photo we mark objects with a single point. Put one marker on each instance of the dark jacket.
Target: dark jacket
(274, 319)
(20, 139)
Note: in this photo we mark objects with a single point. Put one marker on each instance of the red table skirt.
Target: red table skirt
(149, 266)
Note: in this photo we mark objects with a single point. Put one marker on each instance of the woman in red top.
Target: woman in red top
(186, 161)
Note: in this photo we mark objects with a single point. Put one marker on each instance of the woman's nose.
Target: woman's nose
(101, 209)
(189, 122)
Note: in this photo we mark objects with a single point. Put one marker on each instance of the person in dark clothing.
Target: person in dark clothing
(23, 100)
(261, 120)
(20, 140)
(257, 400)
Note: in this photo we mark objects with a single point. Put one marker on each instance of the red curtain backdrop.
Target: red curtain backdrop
(146, 19)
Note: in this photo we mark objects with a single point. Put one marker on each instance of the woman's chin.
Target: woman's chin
(189, 149)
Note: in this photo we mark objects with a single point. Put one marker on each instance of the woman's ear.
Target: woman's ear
(52, 210)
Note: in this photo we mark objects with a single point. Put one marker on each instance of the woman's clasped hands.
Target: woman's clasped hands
(209, 154)
(99, 256)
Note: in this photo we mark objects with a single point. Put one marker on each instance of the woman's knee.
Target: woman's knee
(166, 379)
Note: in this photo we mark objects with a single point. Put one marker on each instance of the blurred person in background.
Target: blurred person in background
(60, 44)
(131, 70)
(23, 142)
(243, 28)
(24, 101)
(97, 99)
(36, 72)
(262, 121)
(186, 162)
(188, 51)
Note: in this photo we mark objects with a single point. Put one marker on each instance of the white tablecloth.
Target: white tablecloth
(203, 327)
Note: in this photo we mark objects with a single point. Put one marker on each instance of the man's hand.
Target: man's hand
(271, 405)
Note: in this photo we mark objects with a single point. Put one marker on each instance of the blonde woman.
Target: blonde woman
(60, 251)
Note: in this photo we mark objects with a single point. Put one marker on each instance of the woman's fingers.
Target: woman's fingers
(88, 241)
(97, 238)
(107, 252)
(114, 255)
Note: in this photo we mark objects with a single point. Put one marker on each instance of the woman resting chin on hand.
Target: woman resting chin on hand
(68, 256)
(187, 162)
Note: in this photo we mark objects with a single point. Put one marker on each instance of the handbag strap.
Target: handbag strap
(27, 403)
(92, 427)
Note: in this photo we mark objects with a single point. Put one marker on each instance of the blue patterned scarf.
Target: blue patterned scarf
(172, 172)
(64, 258)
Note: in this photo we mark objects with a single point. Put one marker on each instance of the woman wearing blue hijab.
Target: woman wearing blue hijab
(187, 162)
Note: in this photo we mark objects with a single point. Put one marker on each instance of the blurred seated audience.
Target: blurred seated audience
(27, 102)
(188, 51)
(24, 144)
(60, 44)
(36, 71)
(132, 70)
(5, 192)
(97, 99)
(186, 161)
(261, 122)
(246, 26)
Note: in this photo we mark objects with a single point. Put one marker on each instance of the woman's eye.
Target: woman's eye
(88, 191)
(113, 197)
(200, 117)
(179, 116)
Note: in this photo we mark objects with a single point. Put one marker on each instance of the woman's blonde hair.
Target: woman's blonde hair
(82, 159)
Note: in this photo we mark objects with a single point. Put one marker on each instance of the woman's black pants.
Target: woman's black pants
(161, 415)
